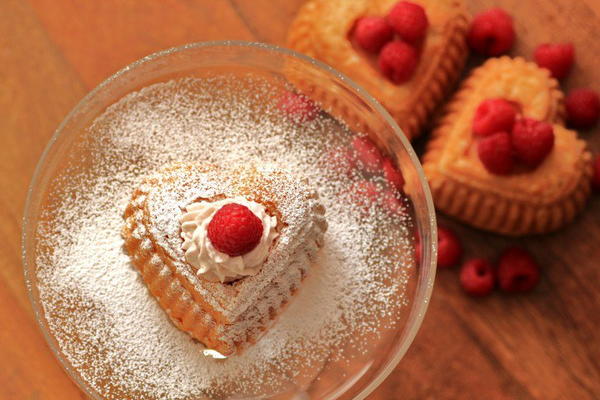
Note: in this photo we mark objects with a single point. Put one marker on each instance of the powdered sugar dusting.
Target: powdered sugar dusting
(108, 325)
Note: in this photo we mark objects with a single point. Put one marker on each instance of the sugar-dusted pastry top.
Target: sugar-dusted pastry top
(297, 208)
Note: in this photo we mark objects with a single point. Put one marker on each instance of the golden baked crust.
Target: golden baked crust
(321, 30)
(212, 312)
(526, 202)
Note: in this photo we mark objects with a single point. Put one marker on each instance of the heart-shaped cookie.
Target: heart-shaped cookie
(322, 29)
(526, 202)
(223, 315)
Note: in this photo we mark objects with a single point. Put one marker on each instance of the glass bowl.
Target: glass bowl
(353, 105)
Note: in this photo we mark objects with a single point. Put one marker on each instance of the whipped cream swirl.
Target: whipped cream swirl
(211, 264)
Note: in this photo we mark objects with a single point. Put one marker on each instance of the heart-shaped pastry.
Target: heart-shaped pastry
(223, 300)
(322, 29)
(525, 202)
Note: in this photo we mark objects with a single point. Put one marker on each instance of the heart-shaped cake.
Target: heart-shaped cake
(223, 250)
(526, 201)
(324, 29)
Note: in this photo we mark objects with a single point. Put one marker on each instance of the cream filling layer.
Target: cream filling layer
(210, 263)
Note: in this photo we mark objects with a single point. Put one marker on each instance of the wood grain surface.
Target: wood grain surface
(544, 345)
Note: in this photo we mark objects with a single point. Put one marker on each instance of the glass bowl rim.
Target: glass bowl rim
(424, 289)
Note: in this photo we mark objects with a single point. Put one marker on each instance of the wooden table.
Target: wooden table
(545, 345)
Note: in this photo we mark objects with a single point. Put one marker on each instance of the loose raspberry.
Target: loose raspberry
(398, 61)
(596, 176)
(491, 33)
(558, 58)
(368, 154)
(496, 153)
(494, 115)
(298, 107)
(235, 230)
(583, 108)
(393, 174)
(477, 277)
(517, 270)
(532, 141)
(409, 20)
(449, 248)
(371, 33)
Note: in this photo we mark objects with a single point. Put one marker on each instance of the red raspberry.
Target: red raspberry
(409, 20)
(393, 174)
(583, 108)
(517, 270)
(398, 61)
(558, 58)
(494, 115)
(496, 153)
(477, 277)
(532, 141)
(596, 177)
(371, 33)
(298, 107)
(491, 32)
(449, 248)
(367, 153)
(235, 230)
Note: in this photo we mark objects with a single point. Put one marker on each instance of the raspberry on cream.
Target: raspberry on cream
(398, 61)
(371, 33)
(409, 20)
(494, 115)
(212, 264)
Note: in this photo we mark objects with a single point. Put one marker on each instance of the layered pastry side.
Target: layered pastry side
(223, 250)
(408, 75)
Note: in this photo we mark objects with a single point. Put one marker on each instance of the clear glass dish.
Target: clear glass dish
(317, 80)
